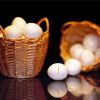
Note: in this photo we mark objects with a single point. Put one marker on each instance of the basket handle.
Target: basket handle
(66, 25)
(46, 21)
(1, 31)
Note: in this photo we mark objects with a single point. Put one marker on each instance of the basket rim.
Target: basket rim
(64, 53)
(43, 36)
(84, 22)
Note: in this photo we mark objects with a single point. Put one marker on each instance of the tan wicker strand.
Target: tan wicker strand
(24, 58)
(30, 56)
(10, 57)
(41, 50)
(74, 32)
(4, 70)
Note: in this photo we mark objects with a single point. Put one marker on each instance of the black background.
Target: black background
(58, 12)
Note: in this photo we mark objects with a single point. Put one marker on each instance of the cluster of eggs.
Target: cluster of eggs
(74, 85)
(19, 28)
(87, 52)
(82, 55)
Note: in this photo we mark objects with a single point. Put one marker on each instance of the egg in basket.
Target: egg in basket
(81, 41)
(23, 48)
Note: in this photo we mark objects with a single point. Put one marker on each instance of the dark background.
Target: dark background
(58, 13)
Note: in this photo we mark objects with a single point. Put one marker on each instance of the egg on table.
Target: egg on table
(91, 42)
(19, 22)
(12, 32)
(57, 89)
(57, 71)
(73, 66)
(87, 58)
(32, 30)
(76, 51)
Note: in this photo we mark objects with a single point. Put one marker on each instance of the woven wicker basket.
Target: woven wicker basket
(23, 58)
(74, 32)
(21, 89)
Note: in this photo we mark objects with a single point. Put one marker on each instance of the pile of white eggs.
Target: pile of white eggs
(87, 52)
(82, 55)
(74, 85)
(19, 28)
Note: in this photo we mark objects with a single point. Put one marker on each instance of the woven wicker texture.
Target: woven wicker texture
(24, 58)
(21, 89)
(74, 32)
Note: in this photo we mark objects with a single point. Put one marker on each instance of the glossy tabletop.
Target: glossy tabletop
(85, 86)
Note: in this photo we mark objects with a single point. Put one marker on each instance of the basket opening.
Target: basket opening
(66, 27)
(75, 33)
(43, 26)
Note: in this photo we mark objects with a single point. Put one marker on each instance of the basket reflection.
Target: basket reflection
(21, 89)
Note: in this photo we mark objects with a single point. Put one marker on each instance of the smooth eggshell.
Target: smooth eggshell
(87, 58)
(12, 32)
(32, 30)
(73, 66)
(57, 89)
(91, 42)
(57, 71)
(76, 51)
(19, 22)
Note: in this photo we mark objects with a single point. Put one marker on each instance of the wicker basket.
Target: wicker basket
(74, 32)
(23, 58)
(21, 89)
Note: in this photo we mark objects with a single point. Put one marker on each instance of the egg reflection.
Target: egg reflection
(91, 96)
(74, 86)
(21, 89)
(57, 89)
(79, 86)
(86, 87)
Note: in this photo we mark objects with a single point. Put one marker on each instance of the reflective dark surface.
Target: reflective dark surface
(21, 89)
(85, 86)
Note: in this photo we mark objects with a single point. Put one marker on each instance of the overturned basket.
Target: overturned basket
(23, 58)
(74, 32)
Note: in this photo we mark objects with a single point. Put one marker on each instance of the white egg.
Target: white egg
(97, 53)
(86, 88)
(87, 58)
(73, 66)
(73, 84)
(32, 30)
(76, 51)
(12, 32)
(57, 71)
(91, 42)
(57, 89)
(19, 22)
